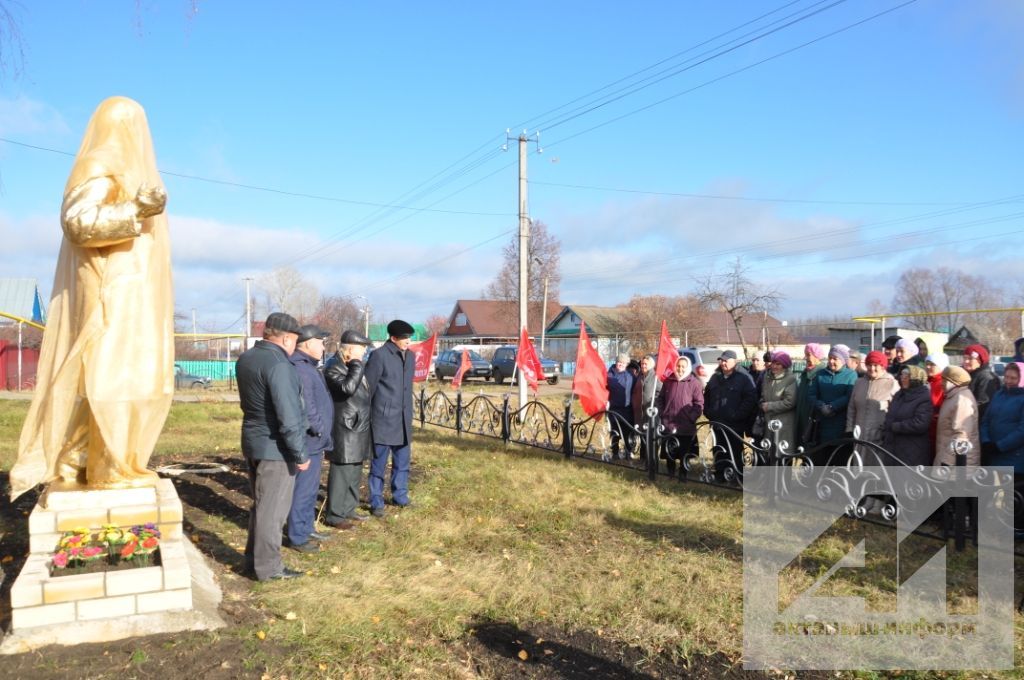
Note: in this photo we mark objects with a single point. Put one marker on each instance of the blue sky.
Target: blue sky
(863, 140)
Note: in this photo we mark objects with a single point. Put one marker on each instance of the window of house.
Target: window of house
(460, 319)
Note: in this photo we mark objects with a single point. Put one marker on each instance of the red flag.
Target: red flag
(527, 360)
(590, 382)
(464, 366)
(667, 355)
(424, 352)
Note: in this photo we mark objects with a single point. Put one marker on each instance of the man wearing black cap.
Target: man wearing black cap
(389, 374)
(273, 441)
(353, 443)
(320, 416)
(730, 399)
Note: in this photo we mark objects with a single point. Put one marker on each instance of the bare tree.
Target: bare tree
(544, 253)
(337, 315)
(12, 50)
(736, 294)
(643, 315)
(436, 324)
(285, 290)
(942, 290)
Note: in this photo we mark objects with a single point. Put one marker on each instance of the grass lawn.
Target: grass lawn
(568, 560)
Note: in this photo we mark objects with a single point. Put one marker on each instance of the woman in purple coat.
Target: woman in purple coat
(680, 403)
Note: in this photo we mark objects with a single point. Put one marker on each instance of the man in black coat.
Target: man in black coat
(273, 441)
(353, 443)
(389, 373)
(730, 399)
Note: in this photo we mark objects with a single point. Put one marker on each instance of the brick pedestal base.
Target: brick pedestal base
(37, 599)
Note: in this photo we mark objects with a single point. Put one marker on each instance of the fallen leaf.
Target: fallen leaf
(616, 573)
(437, 563)
(335, 570)
(261, 634)
(7, 559)
(322, 666)
(291, 616)
(523, 655)
(375, 619)
(548, 652)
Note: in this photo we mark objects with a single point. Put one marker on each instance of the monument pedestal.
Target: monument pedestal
(39, 599)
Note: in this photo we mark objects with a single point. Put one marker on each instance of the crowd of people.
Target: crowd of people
(912, 403)
(295, 415)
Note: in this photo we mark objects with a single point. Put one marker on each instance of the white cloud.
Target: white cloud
(24, 116)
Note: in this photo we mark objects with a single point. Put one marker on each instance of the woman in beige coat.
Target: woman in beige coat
(958, 418)
(870, 402)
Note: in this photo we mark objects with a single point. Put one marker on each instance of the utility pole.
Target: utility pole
(524, 240)
(248, 313)
(194, 329)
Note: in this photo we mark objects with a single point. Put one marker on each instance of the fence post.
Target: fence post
(506, 430)
(567, 430)
(458, 413)
(423, 404)
(649, 442)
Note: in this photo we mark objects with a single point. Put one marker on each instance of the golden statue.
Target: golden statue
(106, 369)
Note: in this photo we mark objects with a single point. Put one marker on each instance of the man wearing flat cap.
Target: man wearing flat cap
(273, 441)
(353, 443)
(730, 401)
(389, 374)
(319, 408)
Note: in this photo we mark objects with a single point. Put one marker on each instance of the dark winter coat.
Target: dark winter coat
(646, 387)
(731, 400)
(620, 388)
(680, 404)
(833, 389)
(984, 385)
(1003, 427)
(270, 394)
(317, 402)
(906, 427)
(389, 376)
(351, 394)
(1018, 350)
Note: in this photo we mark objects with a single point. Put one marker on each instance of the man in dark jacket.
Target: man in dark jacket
(273, 441)
(389, 374)
(320, 416)
(984, 381)
(351, 434)
(620, 391)
(730, 399)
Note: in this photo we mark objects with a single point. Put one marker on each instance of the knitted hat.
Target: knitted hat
(783, 359)
(979, 351)
(956, 375)
(940, 360)
(890, 342)
(917, 375)
(815, 350)
(908, 346)
(877, 358)
(840, 351)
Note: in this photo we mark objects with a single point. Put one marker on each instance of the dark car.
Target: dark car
(447, 363)
(503, 365)
(183, 379)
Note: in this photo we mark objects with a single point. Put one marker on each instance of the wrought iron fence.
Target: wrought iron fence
(718, 454)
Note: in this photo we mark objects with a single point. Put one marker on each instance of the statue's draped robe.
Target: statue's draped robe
(106, 369)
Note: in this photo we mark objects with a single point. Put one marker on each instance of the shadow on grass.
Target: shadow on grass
(682, 534)
(13, 541)
(206, 498)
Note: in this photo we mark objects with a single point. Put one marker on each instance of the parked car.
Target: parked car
(503, 365)
(447, 365)
(703, 360)
(183, 379)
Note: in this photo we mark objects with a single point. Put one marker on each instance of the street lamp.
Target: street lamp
(544, 309)
(365, 310)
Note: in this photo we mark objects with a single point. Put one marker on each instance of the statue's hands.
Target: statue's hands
(150, 201)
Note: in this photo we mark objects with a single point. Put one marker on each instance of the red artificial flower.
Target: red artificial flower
(60, 559)
(129, 549)
(149, 543)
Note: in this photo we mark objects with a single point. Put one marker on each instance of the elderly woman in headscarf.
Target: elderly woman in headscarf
(1002, 427)
(778, 396)
(869, 404)
(813, 354)
(105, 376)
(830, 395)
(680, 403)
(909, 419)
(905, 355)
(958, 418)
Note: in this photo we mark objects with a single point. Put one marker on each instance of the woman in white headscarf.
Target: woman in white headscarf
(106, 369)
